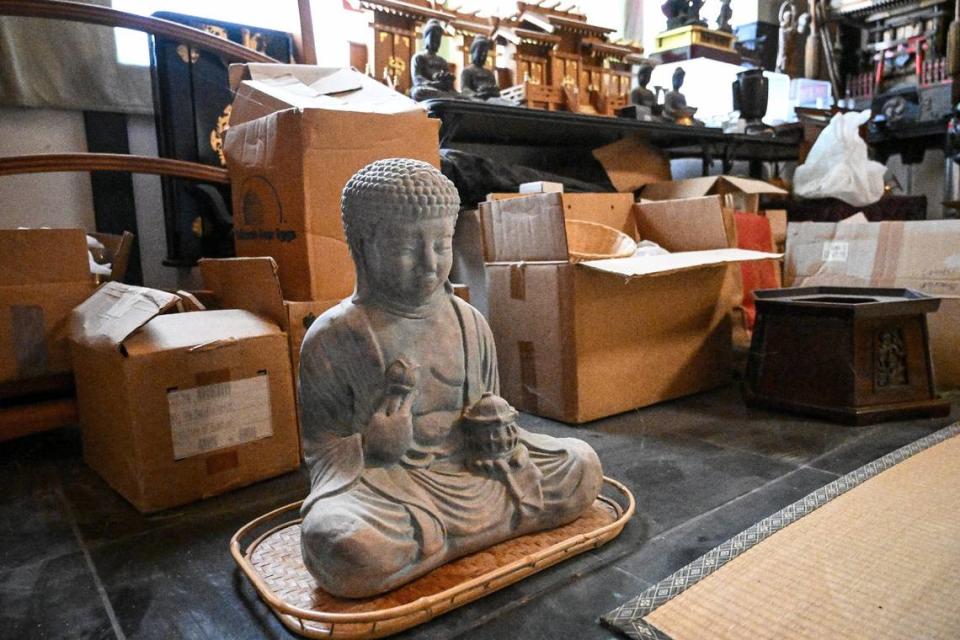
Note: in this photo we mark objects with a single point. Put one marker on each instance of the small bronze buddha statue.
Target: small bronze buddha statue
(414, 459)
(675, 107)
(430, 72)
(642, 98)
(477, 81)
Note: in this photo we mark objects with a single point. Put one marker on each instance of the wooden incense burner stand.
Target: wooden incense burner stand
(853, 355)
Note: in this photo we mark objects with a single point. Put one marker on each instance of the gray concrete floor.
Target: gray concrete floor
(76, 561)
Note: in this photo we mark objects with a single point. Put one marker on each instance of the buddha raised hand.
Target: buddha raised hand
(414, 459)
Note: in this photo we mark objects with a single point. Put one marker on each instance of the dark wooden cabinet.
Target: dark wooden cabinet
(192, 98)
(854, 355)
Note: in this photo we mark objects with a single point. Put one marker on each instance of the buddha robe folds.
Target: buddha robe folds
(370, 525)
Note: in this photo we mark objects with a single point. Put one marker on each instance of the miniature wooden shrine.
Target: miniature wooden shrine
(547, 57)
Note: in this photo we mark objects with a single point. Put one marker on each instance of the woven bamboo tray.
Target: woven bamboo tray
(274, 565)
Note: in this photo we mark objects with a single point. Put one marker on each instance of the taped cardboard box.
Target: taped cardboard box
(44, 274)
(181, 406)
(742, 194)
(297, 134)
(578, 342)
(921, 255)
(253, 284)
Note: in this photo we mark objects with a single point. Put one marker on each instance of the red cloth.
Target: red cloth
(753, 232)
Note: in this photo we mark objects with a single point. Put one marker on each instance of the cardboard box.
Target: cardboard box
(921, 255)
(742, 194)
(577, 342)
(182, 406)
(297, 134)
(44, 274)
(630, 163)
(253, 284)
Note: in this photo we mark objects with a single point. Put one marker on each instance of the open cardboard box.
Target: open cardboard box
(44, 274)
(175, 407)
(921, 255)
(741, 194)
(578, 342)
(297, 135)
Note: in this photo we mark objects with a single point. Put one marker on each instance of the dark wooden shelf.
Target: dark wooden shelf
(466, 121)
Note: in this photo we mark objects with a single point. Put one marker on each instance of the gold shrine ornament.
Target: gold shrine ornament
(217, 133)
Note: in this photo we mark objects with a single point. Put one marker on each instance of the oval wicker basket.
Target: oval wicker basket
(273, 563)
(595, 241)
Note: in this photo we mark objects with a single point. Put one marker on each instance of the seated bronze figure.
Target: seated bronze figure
(675, 106)
(430, 72)
(414, 459)
(477, 81)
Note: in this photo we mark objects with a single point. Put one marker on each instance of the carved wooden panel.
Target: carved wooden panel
(531, 69)
(890, 359)
(392, 51)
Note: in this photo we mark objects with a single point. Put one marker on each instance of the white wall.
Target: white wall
(148, 198)
(44, 199)
(66, 199)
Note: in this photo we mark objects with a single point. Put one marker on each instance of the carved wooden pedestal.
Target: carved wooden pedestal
(853, 355)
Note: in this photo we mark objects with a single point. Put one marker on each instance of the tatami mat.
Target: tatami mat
(880, 558)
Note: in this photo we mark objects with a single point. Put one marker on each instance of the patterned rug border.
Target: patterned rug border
(628, 618)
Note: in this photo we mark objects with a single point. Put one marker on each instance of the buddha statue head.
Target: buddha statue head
(479, 50)
(432, 35)
(678, 75)
(399, 215)
(643, 74)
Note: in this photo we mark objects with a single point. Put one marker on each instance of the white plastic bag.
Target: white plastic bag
(837, 165)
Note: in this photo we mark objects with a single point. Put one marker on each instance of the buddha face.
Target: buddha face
(479, 52)
(432, 38)
(643, 74)
(678, 77)
(407, 262)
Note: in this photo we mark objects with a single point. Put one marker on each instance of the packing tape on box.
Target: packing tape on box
(212, 377)
(213, 344)
(528, 376)
(887, 257)
(29, 340)
(518, 284)
(222, 461)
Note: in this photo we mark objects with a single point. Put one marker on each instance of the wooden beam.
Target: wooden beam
(94, 14)
(54, 162)
(20, 420)
(306, 43)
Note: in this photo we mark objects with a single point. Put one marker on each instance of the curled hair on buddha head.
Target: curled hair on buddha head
(395, 190)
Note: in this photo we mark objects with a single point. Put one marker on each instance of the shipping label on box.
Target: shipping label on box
(219, 415)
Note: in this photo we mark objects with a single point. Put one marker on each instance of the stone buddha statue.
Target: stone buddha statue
(414, 459)
(477, 81)
(675, 106)
(430, 72)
